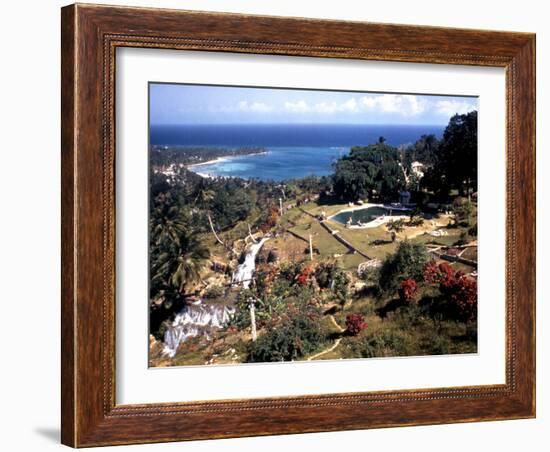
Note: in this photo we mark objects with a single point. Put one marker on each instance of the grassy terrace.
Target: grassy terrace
(327, 245)
(375, 242)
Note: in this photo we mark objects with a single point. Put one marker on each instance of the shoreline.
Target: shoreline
(218, 160)
(208, 162)
(224, 158)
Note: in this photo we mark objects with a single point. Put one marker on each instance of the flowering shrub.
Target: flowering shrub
(435, 273)
(462, 292)
(355, 323)
(431, 272)
(408, 290)
(447, 274)
(459, 290)
(409, 259)
(304, 276)
(265, 276)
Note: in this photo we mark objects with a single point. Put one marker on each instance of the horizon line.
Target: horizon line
(297, 124)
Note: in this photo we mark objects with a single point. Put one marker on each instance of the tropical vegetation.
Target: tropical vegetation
(319, 289)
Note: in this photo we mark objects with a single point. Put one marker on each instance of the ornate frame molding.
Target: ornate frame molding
(90, 36)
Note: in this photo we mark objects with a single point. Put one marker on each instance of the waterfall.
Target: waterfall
(193, 320)
(246, 269)
(202, 319)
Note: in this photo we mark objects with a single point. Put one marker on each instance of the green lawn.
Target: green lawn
(446, 240)
(292, 217)
(316, 209)
(375, 242)
(327, 245)
(350, 262)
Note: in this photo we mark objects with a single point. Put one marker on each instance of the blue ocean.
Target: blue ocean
(293, 151)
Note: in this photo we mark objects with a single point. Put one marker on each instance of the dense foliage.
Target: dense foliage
(455, 163)
(330, 276)
(408, 261)
(424, 151)
(369, 172)
(289, 340)
(384, 343)
(278, 293)
(288, 312)
(176, 252)
(463, 211)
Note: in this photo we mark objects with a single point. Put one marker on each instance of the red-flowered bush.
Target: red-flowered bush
(462, 292)
(458, 289)
(447, 274)
(304, 276)
(355, 323)
(431, 272)
(435, 273)
(408, 290)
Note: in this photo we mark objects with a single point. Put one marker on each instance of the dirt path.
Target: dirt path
(324, 352)
(338, 327)
(333, 346)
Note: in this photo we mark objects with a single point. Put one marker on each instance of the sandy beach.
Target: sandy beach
(218, 160)
(208, 162)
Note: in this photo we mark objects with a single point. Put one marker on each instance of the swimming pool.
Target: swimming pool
(365, 215)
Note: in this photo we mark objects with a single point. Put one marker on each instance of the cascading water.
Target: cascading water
(193, 320)
(246, 269)
(201, 319)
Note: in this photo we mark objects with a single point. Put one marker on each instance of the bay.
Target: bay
(277, 163)
(293, 150)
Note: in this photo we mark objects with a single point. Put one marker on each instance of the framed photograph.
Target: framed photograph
(281, 225)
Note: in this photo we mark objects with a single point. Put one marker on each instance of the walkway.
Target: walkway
(333, 346)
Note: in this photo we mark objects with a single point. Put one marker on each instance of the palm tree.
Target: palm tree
(203, 194)
(180, 262)
(167, 221)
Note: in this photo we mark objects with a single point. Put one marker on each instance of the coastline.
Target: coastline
(218, 160)
(208, 162)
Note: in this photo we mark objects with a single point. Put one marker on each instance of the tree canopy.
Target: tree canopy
(369, 171)
(424, 150)
(455, 164)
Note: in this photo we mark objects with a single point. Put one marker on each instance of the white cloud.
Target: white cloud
(350, 105)
(369, 102)
(243, 106)
(452, 107)
(326, 107)
(258, 107)
(300, 106)
(403, 104)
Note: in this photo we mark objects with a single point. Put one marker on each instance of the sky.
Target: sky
(203, 104)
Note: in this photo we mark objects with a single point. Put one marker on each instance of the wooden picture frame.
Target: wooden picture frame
(90, 36)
